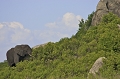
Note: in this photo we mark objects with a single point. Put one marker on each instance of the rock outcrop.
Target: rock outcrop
(104, 7)
(39, 45)
(96, 66)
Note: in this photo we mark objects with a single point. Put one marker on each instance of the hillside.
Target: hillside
(72, 58)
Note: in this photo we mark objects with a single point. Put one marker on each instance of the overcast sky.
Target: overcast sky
(35, 22)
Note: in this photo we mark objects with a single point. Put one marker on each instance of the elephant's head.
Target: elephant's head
(23, 50)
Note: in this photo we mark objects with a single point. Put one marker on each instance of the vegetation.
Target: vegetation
(72, 58)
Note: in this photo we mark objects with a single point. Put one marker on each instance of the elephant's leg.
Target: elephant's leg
(11, 64)
(16, 58)
(10, 60)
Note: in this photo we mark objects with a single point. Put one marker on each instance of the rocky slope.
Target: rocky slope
(104, 7)
(37, 46)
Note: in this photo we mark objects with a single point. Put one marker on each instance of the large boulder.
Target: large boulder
(104, 7)
(41, 45)
(37, 46)
(96, 66)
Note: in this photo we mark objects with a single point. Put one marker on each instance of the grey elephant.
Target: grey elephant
(17, 54)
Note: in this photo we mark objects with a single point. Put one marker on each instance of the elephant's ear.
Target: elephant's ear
(19, 50)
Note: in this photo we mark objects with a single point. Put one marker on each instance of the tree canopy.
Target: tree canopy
(72, 58)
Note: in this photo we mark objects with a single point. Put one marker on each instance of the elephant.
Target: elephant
(17, 54)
